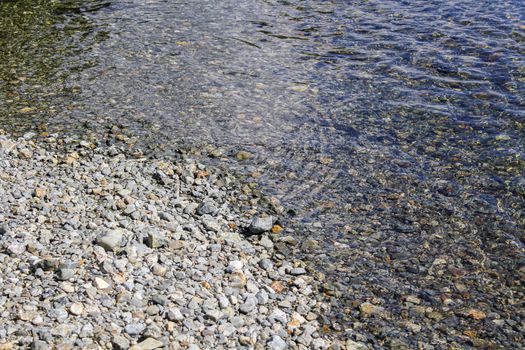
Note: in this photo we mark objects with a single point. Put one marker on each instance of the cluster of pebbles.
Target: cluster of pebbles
(104, 249)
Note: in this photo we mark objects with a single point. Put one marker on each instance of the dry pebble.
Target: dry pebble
(103, 250)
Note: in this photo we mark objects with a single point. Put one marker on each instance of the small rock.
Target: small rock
(39, 345)
(266, 242)
(367, 309)
(214, 315)
(277, 287)
(159, 270)
(207, 207)
(40, 192)
(277, 343)
(134, 328)
(154, 240)
(101, 284)
(160, 299)
(66, 271)
(265, 264)
(76, 309)
(174, 315)
(297, 271)
(190, 208)
(148, 344)
(234, 266)
(249, 305)
(111, 240)
(261, 224)
(120, 343)
(476, 314)
(243, 155)
(16, 249)
(278, 316)
(25, 153)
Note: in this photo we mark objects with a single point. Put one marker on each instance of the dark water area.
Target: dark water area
(393, 132)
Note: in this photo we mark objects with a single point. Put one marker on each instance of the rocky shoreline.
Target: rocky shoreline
(101, 248)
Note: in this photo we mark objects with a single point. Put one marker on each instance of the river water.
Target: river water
(391, 131)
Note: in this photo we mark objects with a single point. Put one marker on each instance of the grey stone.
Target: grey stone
(298, 271)
(66, 271)
(261, 224)
(235, 265)
(174, 315)
(265, 264)
(40, 345)
(279, 316)
(16, 249)
(120, 343)
(190, 208)
(111, 240)
(249, 305)
(214, 315)
(160, 299)
(237, 321)
(134, 328)
(155, 240)
(277, 343)
(266, 242)
(148, 344)
(207, 207)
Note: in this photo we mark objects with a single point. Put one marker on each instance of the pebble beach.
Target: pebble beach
(104, 249)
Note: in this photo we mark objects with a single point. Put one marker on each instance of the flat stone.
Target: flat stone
(66, 270)
(160, 299)
(297, 271)
(111, 240)
(278, 315)
(266, 242)
(76, 309)
(101, 284)
(190, 208)
(134, 328)
(235, 266)
(148, 344)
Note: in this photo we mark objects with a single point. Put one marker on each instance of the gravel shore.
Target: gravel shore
(104, 249)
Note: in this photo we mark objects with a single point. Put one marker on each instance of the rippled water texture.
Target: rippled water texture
(393, 129)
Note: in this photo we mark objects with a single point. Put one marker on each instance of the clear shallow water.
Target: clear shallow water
(394, 129)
